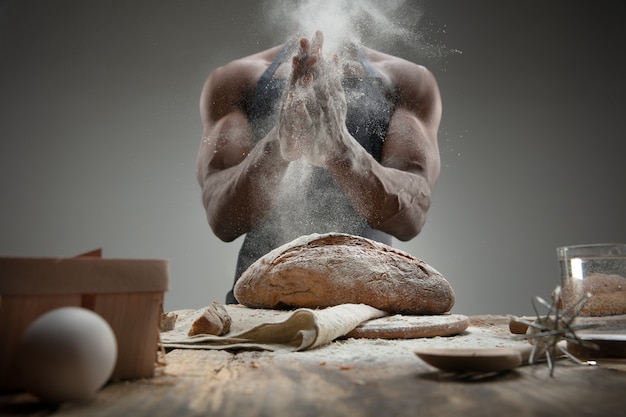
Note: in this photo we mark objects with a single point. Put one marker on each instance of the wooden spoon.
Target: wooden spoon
(475, 360)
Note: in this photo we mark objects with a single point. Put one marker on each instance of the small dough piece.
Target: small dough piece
(214, 320)
(168, 321)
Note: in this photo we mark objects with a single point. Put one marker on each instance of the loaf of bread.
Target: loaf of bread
(214, 320)
(608, 294)
(331, 269)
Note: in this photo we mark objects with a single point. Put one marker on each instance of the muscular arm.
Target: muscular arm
(237, 178)
(395, 195)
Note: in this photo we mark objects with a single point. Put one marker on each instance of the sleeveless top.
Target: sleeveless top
(310, 201)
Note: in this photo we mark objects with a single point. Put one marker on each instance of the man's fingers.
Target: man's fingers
(305, 45)
(311, 60)
(308, 56)
(317, 43)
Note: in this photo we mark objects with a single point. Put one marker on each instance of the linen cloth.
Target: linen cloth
(297, 330)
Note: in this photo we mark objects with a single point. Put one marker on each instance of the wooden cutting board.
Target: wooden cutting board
(411, 327)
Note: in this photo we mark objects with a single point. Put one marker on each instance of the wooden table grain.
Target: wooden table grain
(331, 382)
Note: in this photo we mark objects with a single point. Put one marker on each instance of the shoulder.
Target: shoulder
(412, 81)
(240, 73)
(229, 85)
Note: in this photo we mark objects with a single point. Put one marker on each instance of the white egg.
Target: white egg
(67, 354)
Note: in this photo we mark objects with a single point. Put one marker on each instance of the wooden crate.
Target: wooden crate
(127, 293)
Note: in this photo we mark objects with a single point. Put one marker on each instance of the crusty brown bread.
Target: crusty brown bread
(608, 294)
(214, 320)
(331, 269)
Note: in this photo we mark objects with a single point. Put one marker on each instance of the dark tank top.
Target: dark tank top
(310, 201)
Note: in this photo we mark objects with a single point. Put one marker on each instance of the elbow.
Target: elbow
(402, 229)
(223, 233)
(406, 224)
(222, 229)
(218, 216)
(408, 231)
(406, 234)
(227, 223)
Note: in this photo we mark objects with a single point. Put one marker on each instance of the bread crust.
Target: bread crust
(214, 320)
(608, 294)
(323, 270)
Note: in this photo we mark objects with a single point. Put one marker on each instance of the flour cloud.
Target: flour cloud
(380, 24)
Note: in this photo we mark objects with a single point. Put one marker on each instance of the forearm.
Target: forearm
(239, 197)
(389, 199)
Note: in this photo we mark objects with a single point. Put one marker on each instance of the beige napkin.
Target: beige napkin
(297, 330)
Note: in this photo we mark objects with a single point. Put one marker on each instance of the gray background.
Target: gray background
(99, 130)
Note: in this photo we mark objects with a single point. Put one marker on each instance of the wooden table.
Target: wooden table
(353, 377)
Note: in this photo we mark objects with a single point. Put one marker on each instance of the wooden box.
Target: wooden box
(127, 293)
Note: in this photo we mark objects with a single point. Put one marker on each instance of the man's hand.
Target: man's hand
(312, 118)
